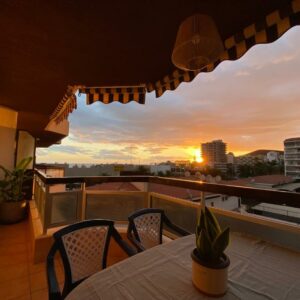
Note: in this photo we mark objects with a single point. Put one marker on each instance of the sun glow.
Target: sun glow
(198, 157)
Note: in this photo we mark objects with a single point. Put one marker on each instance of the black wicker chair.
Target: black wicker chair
(146, 225)
(83, 248)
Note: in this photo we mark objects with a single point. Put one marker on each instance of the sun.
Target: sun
(198, 157)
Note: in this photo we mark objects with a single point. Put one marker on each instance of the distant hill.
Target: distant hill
(263, 152)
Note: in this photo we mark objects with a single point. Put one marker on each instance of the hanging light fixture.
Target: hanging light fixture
(198, 43)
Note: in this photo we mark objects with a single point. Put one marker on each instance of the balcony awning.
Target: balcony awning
(114, 94)
(66, 105)
(265, 30)
(93, 94)
(51, 45)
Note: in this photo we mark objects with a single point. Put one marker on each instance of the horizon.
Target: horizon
(262, 86)
(151, 163)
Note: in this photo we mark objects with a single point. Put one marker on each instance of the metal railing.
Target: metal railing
(61, 201)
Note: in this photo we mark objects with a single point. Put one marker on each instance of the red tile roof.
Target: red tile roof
(174, 191)
(265, 179)
(114, 186)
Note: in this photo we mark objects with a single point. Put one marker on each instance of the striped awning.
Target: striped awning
(105, 95)
(108, 95)
(66, 105)
(266, 30)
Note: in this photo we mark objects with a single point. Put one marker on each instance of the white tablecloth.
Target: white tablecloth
(258, 270)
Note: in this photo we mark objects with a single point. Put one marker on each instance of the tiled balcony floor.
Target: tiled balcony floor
(19, 277)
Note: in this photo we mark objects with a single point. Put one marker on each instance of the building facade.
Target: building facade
(292, 157)
(247, 160)
(230, 158)
(214, 153)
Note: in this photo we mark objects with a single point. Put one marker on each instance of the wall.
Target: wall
(224, 202)
(8, 124)
(26, 147)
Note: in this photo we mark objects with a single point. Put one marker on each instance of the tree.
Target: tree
(207, 170)
(245, 171)
(230, 173)
(260, 168)
(143, 170)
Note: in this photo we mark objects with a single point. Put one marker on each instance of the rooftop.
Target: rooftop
(113, 186)
(272, 180)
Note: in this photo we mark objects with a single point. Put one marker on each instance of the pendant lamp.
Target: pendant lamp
(198, 43)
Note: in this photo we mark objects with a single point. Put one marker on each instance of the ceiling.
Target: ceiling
(48, 45)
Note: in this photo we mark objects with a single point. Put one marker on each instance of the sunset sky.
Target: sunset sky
(252, 103)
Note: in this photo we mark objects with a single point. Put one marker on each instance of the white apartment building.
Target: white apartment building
(292, 157)
(160, 168)
(275, 156)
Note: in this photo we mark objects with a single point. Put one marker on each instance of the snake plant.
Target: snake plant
(12, 183)
(211, 241)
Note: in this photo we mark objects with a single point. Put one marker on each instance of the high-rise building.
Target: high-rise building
(214, 152)
(230, 158)
(292, 157)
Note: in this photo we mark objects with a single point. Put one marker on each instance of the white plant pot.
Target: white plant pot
(210, 279)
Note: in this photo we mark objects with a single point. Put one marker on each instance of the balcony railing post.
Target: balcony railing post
(47, 209)
(36, 191)
(40, 197)
(83, 202)
(148, 195)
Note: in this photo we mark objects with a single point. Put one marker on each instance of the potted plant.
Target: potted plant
(12, 204)
(209, 262)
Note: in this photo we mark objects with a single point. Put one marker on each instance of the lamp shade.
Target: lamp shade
(198, 43)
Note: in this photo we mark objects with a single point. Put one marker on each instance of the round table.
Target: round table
(258, 270)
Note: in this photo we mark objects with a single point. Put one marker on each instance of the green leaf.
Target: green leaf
(210, 240)
(205, 245)
(11, 185)
(211, 230)
(212, 219)
(211, 225)
(3, 183)
(221, 243)
(5, 171)
(23, 164)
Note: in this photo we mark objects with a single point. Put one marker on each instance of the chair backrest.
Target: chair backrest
(147, 225)
(83, 248)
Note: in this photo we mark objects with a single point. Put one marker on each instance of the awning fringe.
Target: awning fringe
(66, 105)
(107, 95)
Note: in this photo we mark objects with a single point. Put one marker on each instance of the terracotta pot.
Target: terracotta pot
(12, 212)
(211, 279)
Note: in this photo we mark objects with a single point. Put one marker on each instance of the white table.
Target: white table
(258, 270)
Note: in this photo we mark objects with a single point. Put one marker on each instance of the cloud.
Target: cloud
(242, 73)
(111, 155)
(66, 149)
(155, 150)
(256, 96)
(283, 59)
